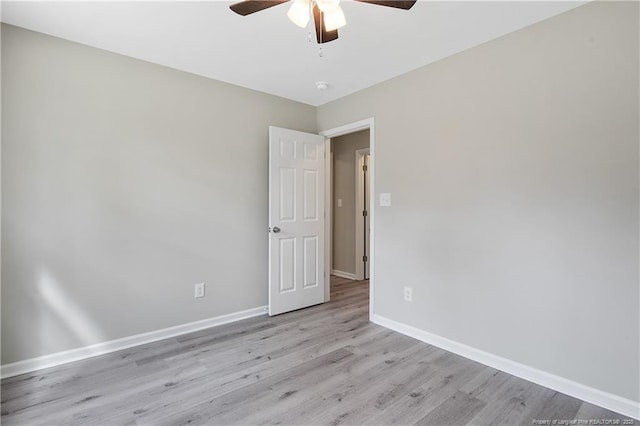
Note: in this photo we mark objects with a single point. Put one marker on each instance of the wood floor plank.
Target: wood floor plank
(450, 375)
(325, 365)
(485, 385)
(365, 389)
(214, 385)
(593, 412)
(558, 407)
(511, 403)
(457, 410)
(233, 407)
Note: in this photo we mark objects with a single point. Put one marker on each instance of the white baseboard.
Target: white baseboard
(52, 360)
(341, 274)
(603, 399)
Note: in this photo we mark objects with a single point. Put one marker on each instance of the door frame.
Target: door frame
(368, 123)
(359, 219)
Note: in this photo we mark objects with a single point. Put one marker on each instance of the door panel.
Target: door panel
(310, 195)
(287, 265)
(296, 212)
(310, 262)
(287, 194)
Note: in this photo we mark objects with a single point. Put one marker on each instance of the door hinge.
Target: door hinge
(364, 213)
(364, 258)
(364, 168)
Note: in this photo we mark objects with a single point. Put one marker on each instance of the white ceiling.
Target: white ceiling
(266, 52)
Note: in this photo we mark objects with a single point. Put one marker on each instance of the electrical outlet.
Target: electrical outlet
(199, 291)
(408, 294)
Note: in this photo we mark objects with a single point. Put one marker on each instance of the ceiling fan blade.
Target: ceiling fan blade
(399, 4)
(322, 35)
(247, 7)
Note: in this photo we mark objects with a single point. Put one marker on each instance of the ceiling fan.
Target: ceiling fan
(327, 14)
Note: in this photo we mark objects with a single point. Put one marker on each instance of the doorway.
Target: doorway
(350, 205)
(349, 241)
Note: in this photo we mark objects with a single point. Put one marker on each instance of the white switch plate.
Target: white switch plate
(385, 199)
(199, 290)
(408, 294)
(339, 202)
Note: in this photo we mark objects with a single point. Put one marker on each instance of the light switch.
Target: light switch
(339, 202)
(385, 199)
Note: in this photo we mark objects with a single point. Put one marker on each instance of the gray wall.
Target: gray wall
(344, 187)
(513, 169)
(123, 184)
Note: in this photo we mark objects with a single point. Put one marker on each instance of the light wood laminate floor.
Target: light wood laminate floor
(323, 365)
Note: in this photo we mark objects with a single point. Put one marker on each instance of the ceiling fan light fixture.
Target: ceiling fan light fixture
(299, 13)
(327, 5)
(334, 19)
(328, 16)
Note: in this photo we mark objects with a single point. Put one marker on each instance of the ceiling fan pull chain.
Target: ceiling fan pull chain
(320, 52)
(309, 24)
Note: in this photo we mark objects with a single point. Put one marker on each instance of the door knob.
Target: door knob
(276, 229)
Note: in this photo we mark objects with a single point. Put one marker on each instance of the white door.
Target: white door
(296, 220)
(367, 226)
